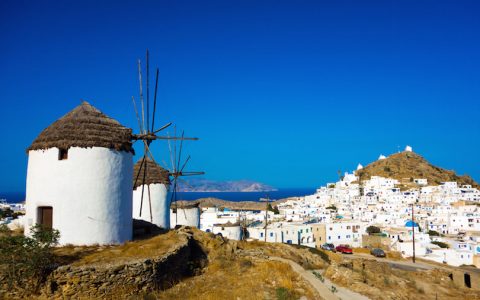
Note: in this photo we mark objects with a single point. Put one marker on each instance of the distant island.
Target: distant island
(205, 185)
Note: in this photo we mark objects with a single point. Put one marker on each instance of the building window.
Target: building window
(348, 236)
(261, 234)
(271, 234)
(348, 227)
(62, 154)
(329, 237)
(338, 237)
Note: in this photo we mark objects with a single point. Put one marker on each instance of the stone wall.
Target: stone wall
(123, 279)
(376, 241)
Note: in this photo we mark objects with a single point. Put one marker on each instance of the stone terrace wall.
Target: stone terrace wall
(376, 241)
(122, 279)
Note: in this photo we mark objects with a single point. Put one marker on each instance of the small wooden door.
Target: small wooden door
(45, 216)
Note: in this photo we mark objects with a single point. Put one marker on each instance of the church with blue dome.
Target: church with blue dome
(410, 223)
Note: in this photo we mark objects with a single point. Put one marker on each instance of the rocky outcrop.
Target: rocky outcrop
(126, 278)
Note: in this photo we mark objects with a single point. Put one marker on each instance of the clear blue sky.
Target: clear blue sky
(282, 92)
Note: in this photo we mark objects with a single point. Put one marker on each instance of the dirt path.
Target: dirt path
(323, 288)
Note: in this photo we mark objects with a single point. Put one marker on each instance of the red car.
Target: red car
(344, 249)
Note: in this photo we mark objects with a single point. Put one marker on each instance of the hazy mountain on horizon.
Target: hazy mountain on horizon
(206, 185)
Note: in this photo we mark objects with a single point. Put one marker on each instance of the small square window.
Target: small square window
(62, 154)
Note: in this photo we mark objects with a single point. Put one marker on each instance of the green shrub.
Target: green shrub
(25, 262)
(273, 209)
(433, 233)
(4, 213)
(284, 294)
(441, 244)
(373, 230)
(319, 276)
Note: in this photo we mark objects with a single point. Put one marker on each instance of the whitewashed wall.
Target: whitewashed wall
(186, 216)
(90, 192)
(160, 205)
(230, 232)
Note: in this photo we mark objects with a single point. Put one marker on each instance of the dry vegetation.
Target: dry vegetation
(378, 281)
(142, 249)
(238, 205)
(409, 165)
(393, 255)
(243, 270)
(243, 278)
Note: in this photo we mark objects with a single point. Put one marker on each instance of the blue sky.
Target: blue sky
(282, 92)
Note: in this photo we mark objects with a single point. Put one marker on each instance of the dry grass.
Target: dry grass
(361, 250)
(409, 165)
(394, 255)
(302, 255)
(241, 278)
(143, 249)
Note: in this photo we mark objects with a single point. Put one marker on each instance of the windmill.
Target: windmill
(177, 170)
(148, 133)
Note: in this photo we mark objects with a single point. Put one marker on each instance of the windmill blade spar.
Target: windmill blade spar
(155, 101)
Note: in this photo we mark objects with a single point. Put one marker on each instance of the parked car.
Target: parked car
(345, 249)
(328, 247)
(377, 252)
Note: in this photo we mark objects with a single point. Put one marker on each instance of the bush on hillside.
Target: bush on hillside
(25, 262)
(273, 209)
(441, 244)
(433, 233)
(373, 230)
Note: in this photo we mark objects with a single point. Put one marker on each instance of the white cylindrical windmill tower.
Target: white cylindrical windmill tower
(185, 215)
(79, 179)
(155, 206)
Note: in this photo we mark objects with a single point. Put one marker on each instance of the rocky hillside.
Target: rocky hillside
(405, 166)
(237, 205)
(187, 263)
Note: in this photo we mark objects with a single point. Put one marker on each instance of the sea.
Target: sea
(15, 197)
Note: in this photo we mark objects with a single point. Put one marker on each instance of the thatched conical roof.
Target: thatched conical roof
(154, 174)
(84, 126)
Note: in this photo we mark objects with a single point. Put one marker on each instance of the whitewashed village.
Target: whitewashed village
(446, 221)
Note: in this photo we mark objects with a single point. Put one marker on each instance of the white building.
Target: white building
(184, 215)
(230, 231)
(79, 179)
(339, 233)
(155, 206)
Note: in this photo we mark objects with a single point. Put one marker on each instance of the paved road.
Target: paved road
(397, 264)
(323, 288)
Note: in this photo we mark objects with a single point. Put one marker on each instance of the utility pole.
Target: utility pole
(413, 233)
(266, 217)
